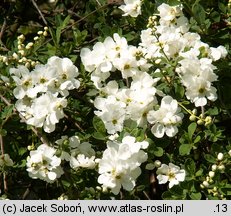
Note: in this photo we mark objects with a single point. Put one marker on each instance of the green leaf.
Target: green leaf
(190, 166)
(199, 13)
(99, 136)
(199, 172)
(191, 129)
(195, 196)
(7, 112)
(179, 90)
(210, 158)
(98, 124)
(158, 151)
(3, 132)
(185, 149)
(61, 27)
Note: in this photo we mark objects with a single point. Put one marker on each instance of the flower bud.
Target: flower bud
(40, 32)
(15, 55)
(211, 174)
(200, 122)
(220, 156)
(221, 167)
(36, 38)
(202, 186)
(214, 167)
(192, 117)
(45, 33)
(194, 111)
(27, 64)
(157, 61)
(205, 183)
(157, 163)
(229, 153)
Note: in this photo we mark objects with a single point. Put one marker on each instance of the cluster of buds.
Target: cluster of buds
(201, 119)
(152, 22)
(23, 50)
(63, 197)
(218, 166)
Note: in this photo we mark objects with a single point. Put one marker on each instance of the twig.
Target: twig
(4, 173)
(37, 8)
(2, 29)
(25, 194)
(36, 132)
(98, 3)
(203, 111)
(146, 195)
(2, 146)
(74, 122)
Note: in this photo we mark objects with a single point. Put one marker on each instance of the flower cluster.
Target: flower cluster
(41, 93)
(172, 40)
(119, 166)
(44, 164)
(78, 154)
(131, 101)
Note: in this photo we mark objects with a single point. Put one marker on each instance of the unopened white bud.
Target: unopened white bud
(211, 174)
(157, 61)
(29, 45)
(157, 163)
(220, 156)
(221, 167)
(4, 59)
(202, 186)
(36, 38)
(46, 28)
(45, 33)
(194, 111)
(205, 183)
(33, 63)
(21, 37)
(229, 153)
(22, 52)
(27, 64)
(200, 122)
(214, 167)
(192, 117)
(40, 32)
(15, 56)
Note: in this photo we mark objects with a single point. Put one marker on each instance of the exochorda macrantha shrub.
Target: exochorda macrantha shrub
(137, 105)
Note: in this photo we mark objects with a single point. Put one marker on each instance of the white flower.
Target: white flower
(5, 160)
(217, 53)
(24, 82)
(168, 13)
(119, 166)
(200, 90)
(171, 173)
(78, 154)
(131, 8)
(66, 74)
(44, 164)
(82, 161)
(111, 112)
(165, 118)
(46, 111)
